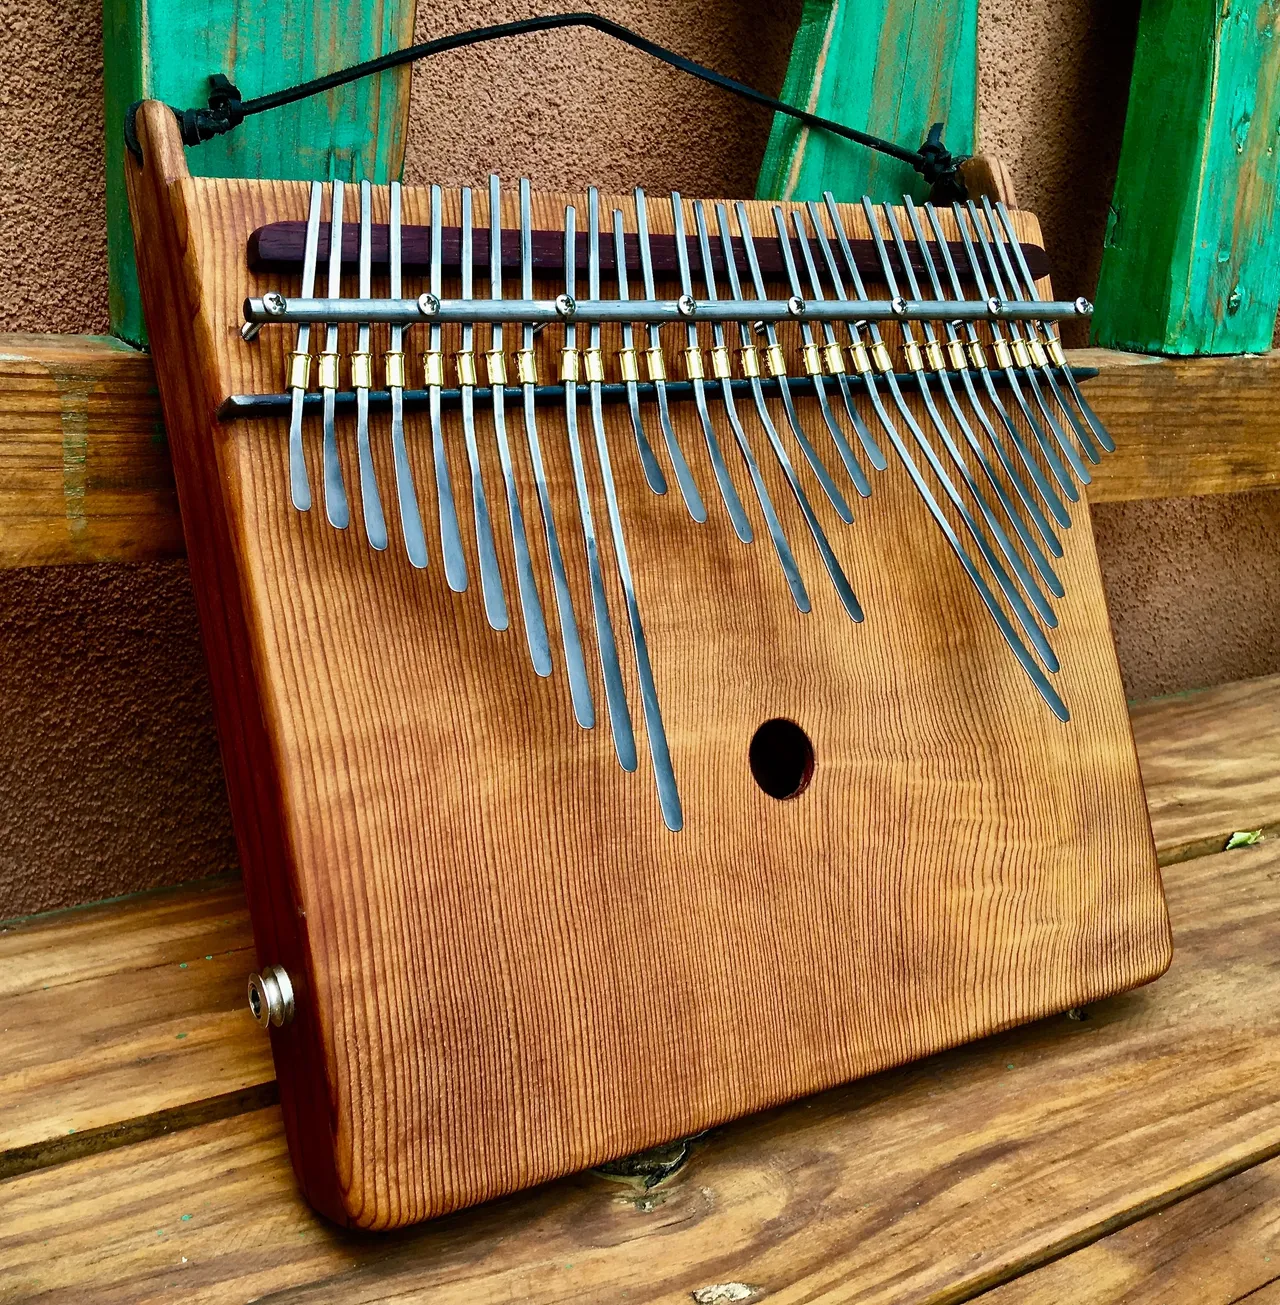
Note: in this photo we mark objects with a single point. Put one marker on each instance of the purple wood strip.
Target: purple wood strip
(279, 248)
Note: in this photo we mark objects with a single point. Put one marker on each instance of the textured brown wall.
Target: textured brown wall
(109, 777)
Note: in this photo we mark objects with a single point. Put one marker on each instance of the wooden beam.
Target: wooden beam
(1191, 263)
(85, 474)
(889, 67)
(153, 49)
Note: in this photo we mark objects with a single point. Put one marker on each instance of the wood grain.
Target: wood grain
(468, 887)
(1215, 1248)
(929, 1183)
(1209, 765)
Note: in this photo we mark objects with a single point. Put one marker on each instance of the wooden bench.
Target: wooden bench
(1125, 1155)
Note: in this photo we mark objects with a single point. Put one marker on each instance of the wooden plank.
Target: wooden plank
(158, 50)
(892, 68)
(1210, 765)
(1190, 263)
(1215, 1248)
(930, 1183)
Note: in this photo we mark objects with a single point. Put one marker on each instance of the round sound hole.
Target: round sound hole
(781, 758)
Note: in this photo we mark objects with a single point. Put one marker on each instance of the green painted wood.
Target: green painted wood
(1191, 263)
(160, 49)
(890, 67)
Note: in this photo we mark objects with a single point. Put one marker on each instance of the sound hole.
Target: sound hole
(781, 758)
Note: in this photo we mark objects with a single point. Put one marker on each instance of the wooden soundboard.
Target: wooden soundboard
(505, 967)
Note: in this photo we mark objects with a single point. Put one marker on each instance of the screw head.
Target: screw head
(796, 306)
(273, 302)
(566, 306)
(899, 305)
(428, 305)
(1084, 307)
(995, 306)
(686, 305)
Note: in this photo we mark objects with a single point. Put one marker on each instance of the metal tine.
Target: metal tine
(777, 368)
(300, 363)
(838, 578)
(1051, 334)
(375, 524)
(978, 359)
(579, 686)
(1028, 663)
(721, 371)
(1001, 346)
(415, 540)
(659, 751)
(624, 740)
(813, 364)
(657, 370)
(1012, 556)
(936, 361)
(652, 471)
(535, 626)
(495, 603)
(455, 562)
(693, 359)
(960, 363)
(1019, 344)
(335, 494)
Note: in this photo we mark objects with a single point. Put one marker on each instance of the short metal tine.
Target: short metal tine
(535, 626)
(655, 730)
(658, 371)
(1004, 360)
(1003, 579)
(934, 361)
(579, 685)
(495, 603)
(1022, 354)
(977, 359)
(624, 741)
(415, 540)
(751, 368)
(1056, 355)
(630, 371)
(300, 360)
(813, 361)
(335, 494)
(693, 361)
(375, 524)
(455, 562)
(720, 370)
(775, 365)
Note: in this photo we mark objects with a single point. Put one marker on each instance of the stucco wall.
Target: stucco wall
(109, 776)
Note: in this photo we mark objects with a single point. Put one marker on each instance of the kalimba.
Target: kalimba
(467, 546)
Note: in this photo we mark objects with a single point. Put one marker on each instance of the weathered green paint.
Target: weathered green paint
(889, 67)
(166, 50)
(1191, 263)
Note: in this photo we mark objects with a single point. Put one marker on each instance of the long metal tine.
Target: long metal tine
(693, 362)
(959, 361)
(300, 361)
(1029, 664)
(1021, 352)
(751, 367)
(933, 359)
(455, 562)
(658, 371)
(624, 740)
(579, 685)
(813, 360)
(1054, 348)
(535, 626)
(775, 364)
(415, 540)
(1004, 360)
(335, 494)
(375, 524)
(495, 603)
(659, 751)
(978, 359)
(1010, 590)
(720, 369)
